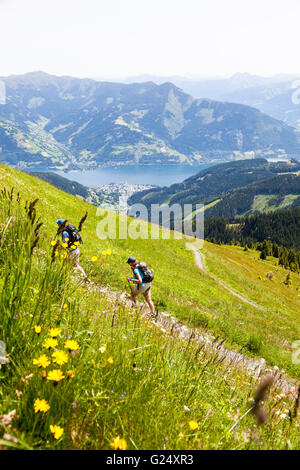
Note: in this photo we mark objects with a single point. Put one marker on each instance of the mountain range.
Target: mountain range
(64, 122)
(277, 96)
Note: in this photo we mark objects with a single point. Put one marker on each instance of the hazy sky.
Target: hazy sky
(117, 38)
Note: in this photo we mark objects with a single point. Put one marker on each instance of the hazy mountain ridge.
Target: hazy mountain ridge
(274, 96)
(66, 122)
(280, 100)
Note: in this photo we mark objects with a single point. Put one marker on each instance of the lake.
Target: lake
(159, 175)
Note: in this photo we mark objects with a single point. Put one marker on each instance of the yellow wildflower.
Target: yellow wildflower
(77, 243)
(54, 332)
(94, 258)
(63, 256)
(38, 329)
(41, 405)
(56, 253)
(60, 357)
(65, 306)
(73, 247)
(57, 431)
(108, 252)
(50, 343)
(193, 425)
(104, 252)
(110, 360)
(56, 375)
(180, 434)
(71, 344)
(118, 443)
(65, 245)
(42, 361)
(70, 374)
(53, 242)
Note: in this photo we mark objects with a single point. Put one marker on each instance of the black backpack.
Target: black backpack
(74, 235)
(148, 275)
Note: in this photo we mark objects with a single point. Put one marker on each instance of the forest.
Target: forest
(276, 234)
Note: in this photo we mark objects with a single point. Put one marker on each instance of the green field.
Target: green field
(265, 203)
(144, 386)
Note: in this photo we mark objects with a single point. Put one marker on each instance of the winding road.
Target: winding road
(199, 264)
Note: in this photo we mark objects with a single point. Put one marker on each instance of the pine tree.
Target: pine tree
(263, 254)
(275, 250)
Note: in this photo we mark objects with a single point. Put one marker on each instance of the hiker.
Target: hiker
(142, 277)
(72, 238)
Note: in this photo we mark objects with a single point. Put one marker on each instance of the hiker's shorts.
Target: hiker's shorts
(142, 289)
(73, 256)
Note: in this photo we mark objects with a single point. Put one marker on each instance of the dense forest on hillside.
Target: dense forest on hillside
(290, 259)
(241, 201)
(282, 227)
(275, 234)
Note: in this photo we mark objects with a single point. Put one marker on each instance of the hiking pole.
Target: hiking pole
(129, 285)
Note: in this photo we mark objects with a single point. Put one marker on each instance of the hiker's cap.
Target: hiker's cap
(131, 259)
(60, 221)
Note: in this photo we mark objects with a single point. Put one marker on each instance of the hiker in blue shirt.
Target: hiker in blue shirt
(139, 278)
(71, 237)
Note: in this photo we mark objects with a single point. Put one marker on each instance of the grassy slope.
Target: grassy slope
(279, 324)
(141, 396)
(179, 286)
(265, 203)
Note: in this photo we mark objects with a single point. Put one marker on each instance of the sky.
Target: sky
(121, 38)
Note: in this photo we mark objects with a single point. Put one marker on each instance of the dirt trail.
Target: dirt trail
(171, 325)
(199, 263)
